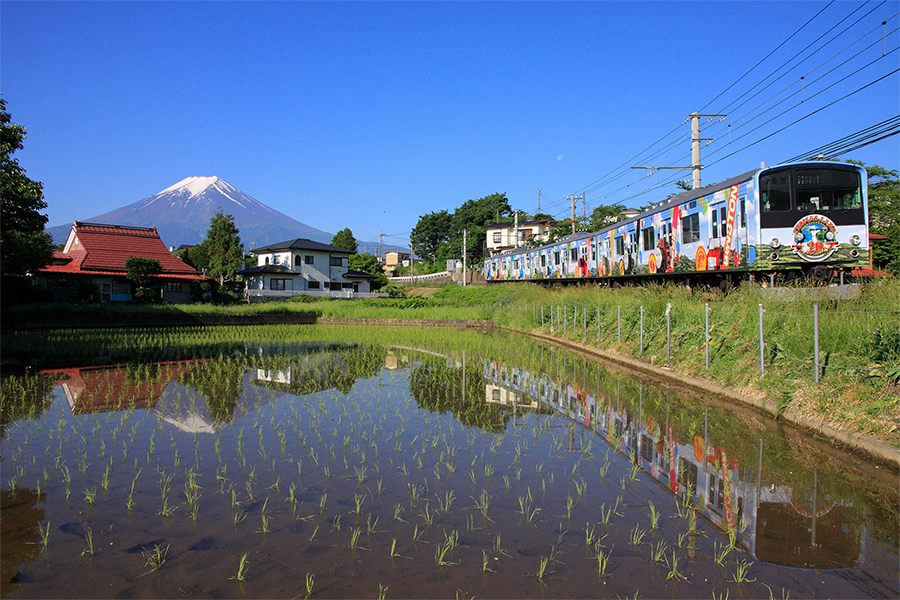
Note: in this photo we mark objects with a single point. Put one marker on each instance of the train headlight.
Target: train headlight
(775, 243)
(854, 239)
(798, 237)
(854, 253)
(774, 256)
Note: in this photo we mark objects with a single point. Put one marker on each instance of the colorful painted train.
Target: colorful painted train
(805, 219)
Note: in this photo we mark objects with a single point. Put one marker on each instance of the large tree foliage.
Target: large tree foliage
(366, 263)
(884, 216)
(222, 247)
(24, 245)
(605, 215)
(344, 239)
(438, 236)
(430, 234)
(140, 271)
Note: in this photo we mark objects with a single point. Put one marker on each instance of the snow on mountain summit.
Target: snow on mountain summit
(193, 185)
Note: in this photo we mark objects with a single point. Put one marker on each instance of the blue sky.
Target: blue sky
(369, 115)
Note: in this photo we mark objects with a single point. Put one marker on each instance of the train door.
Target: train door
(649, 255)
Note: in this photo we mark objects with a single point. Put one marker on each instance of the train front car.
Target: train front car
(812, 221)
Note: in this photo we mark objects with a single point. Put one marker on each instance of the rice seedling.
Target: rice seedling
(602, 563)
(336, 523)
(313, 536)
(485, 562)
(654, 516)
(444, 505)
(740, 574)
(44, 533)
(720, 553)
(265, 518)
(657, 552)
(89, 538)
(90, 495)
(242, 568)
(310, 580)
(637, 535)
(155, 558)
(354, 538)
(382, 591)
(427, 516)
(397, 510)
(370, 525)
(674, 573)
(359, 498)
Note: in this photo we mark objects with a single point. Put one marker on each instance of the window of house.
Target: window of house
(297, 261)
(313, 285)
(347, 286)
(276, 284)
(267, 260)
(171, 286)
(308, 259)
(690, 228)
(497, 237)
(336, 261)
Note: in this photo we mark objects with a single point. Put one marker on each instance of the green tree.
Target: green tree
(884, 216)
(223, 247)
(605, 215)
(472, 216)
(344, 239)
(431, 234)
(24, 245)
(141, 271)
(367, 263)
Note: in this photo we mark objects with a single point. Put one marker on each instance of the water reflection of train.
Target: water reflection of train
(792, 526)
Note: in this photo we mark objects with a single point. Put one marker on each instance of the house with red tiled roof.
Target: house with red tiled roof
(93, 260)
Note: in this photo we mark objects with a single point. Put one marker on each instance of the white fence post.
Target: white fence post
(762, 344)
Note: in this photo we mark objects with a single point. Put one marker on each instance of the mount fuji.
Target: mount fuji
(181, 214)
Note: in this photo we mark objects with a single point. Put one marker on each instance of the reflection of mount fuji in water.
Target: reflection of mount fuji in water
(785, 514)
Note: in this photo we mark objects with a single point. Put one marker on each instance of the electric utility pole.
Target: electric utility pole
(464, 248)
(572, 198)
(694, 118)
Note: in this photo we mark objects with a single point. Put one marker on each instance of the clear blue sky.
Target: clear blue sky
(368, 115)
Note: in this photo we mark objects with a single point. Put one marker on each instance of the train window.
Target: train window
(556, 258)
(775, 192)
(649, 238)
(573, 254)
(743, 211)
(690, 228)
(620, 245)
(821, 189)
(543, 260)
(723, 220)
(715, 222)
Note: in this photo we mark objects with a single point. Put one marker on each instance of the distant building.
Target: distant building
(92, 265)
(302, 266)
(395, 258)
(505, 236)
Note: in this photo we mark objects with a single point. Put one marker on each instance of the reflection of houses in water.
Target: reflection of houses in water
(101, 389)
(772, 523)
(317, 368)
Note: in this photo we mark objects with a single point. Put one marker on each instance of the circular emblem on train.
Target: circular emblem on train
(815, 238)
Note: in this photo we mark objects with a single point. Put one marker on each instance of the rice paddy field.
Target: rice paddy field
(342, 462)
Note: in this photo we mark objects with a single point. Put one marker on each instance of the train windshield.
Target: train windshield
(827, 189)
(786, 195)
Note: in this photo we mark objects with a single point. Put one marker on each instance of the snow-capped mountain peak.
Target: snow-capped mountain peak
(181, 213)
(194, 186)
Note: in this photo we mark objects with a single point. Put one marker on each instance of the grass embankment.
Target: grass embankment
(859, 340)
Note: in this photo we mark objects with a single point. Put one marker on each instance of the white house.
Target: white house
(303, 266)
(505, 236)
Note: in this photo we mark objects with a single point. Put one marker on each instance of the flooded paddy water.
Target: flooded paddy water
(343, 462)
